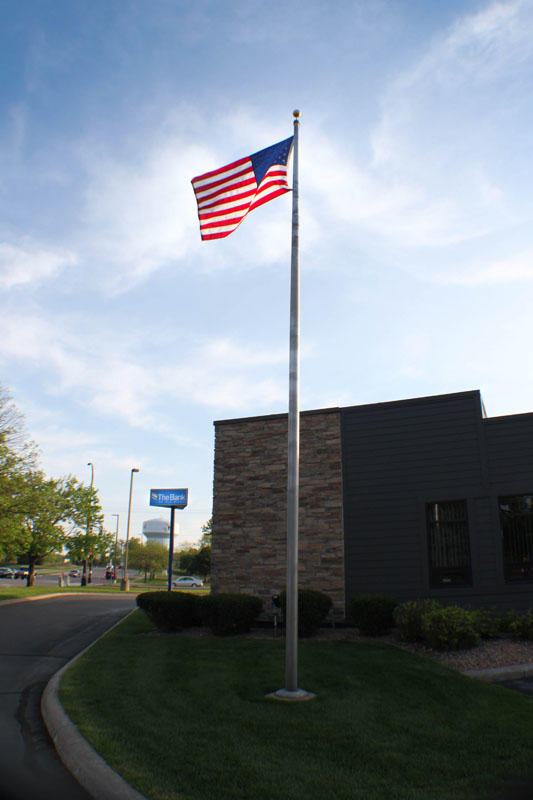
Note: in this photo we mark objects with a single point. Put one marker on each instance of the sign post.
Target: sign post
(173, 499)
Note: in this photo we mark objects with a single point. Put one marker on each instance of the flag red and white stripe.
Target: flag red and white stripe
(226, 195)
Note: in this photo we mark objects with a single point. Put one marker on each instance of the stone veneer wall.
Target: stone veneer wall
(250, 506)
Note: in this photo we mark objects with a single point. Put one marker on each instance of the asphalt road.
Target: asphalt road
(36, 639)
(52, 578)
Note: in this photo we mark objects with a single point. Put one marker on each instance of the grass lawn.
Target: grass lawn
(186, 717)
(12, 589)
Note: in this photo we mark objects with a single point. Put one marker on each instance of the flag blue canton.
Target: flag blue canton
(263, 160)
(224, 196)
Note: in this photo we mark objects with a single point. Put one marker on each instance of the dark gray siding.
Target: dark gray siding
(396, 457)
(399, 456)
(510, 453)
(509, 444)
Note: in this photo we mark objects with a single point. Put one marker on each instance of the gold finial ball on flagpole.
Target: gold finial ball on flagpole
(296, 113)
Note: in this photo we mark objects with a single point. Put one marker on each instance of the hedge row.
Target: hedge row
(453, 627)
(440, 627)
(227, 614)
(313, 608)
(224, 614)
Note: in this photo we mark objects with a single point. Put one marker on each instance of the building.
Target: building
(157, 530)
(424, 497)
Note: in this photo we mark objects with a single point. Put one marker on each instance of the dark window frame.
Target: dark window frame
(516, 530)
(448, 540)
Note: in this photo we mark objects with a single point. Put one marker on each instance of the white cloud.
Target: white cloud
(447, 82)
(222, 374)
(140, 211)
(140, 215)
(515, 267)
(31, 263)
(448, 140)
(127, 382)
(225, 353)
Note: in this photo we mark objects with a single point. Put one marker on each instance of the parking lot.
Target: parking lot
(55, 577)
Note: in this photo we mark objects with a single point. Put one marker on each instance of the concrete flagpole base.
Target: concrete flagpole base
(288, 696)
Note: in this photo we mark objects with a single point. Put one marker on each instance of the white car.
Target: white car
(187, 582)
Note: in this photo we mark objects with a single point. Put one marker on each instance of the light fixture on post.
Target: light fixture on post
(84, 580)
(116, 549)
(125, 584)
(90, 576)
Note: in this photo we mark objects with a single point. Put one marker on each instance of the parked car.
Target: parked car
(187, 582)
(74, 573)
(6, 572)
(22, 572)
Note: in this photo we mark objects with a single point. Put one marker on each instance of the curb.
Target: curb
(78, 756)
(60, 594)
(497, 674)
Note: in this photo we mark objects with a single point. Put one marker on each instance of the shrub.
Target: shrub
(522, 627)
(171, 611)
(487, 623)
(372, 613)
(230, 614)
(450, 628)
(409, 618)
(507, 619)
(313, 608)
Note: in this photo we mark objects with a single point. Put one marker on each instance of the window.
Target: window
(449, 544)
(516, 525)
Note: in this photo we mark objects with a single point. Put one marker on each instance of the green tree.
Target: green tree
(12, 431)
(86, 542)
(207, 531)
(94, 546)
(149, 558)
(196, 561)
(186, 558)
(48, 504)
(13, 477)
(18, 460)
(201, 564)
(34, 509)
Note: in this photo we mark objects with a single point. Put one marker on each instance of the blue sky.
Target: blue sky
(123, 336)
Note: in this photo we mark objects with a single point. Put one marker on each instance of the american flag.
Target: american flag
(226, 195)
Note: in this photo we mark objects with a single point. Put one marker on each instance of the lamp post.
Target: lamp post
(84, 580)
(125, 584)
(90, 578)
(116, 548)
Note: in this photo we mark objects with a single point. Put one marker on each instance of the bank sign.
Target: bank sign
(169, 498)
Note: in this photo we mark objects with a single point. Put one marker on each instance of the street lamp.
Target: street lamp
(116, 547)
(125, 584)
(84, 580)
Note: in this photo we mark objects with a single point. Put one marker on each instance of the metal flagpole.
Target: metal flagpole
(293, 481)
(291, 690)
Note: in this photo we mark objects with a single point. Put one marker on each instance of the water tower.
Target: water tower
(157, 530)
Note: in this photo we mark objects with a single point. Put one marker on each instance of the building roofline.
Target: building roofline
(503, 417)
(410, 401)
(333, 410)
(413, 401)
